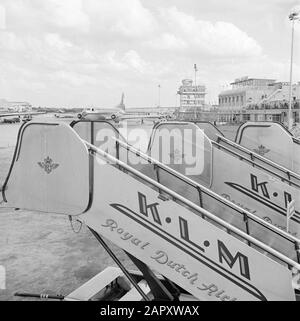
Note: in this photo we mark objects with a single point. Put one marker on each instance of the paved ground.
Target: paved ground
(41, 253)
(229, 130)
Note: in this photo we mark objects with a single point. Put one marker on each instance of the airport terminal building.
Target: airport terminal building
(258, 99)
(192, 96)
(245, 91)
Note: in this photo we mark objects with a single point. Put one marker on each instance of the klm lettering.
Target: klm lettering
(287, 198)
(225, 255)
(146, 208)
(259, 187)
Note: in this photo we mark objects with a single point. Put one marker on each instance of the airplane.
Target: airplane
(119, 113)
(93, 113)
(62, 114)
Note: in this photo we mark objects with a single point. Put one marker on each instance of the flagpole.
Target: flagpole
(290, 122)
(293, 16)
(158, 95)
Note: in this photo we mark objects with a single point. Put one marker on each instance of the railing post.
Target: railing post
(117, 150)
(156, 169)
(247, 226)
(297, 247)
(200, 196)
(200, 199)
(118, 157)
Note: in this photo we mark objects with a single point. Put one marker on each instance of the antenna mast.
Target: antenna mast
(195, 68)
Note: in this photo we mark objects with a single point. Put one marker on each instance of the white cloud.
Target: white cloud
(74, 50)
(71, 78)
(127, 18)
(2, 18)
(56, 42)
(67, 14)
(134, 61)
(167, 41)
(131, 63)
(110, 58)
(206, 38)
(9, 41)
(52, 13)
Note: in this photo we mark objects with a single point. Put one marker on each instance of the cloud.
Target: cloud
(167, 41)
(185, 32)
(134, 61)
(9, 41)
(72, 78)
(2, 18)
(74, 51)
(26, 15)
(131, 64)
(127, 18)
(67, 14)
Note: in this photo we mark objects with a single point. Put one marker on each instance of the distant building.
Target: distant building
(259, 100)
(17, 106)
(191, 96)
(281, 93)
(245, 91)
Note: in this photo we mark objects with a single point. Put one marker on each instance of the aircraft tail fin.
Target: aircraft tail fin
(121, 104)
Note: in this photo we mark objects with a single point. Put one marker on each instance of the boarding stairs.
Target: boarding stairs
(257, 191)
(254, 159)
(272, 141)
(191, 247)
(204, 197)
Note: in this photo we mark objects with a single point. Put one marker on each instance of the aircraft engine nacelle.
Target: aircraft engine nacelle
(115, 118)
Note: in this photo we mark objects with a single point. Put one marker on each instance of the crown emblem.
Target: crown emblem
(48, 165)
(176, 155)
(261, 150)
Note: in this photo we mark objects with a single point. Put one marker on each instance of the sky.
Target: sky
(79, 53)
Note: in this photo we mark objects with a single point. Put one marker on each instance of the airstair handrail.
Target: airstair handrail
(264, 159)
(286, 179)
(175, 196)
(182, 177)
